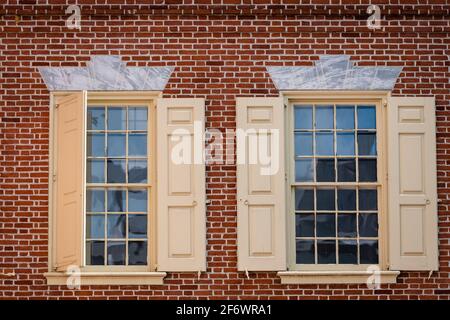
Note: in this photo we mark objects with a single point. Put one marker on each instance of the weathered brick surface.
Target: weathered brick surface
(220, 50)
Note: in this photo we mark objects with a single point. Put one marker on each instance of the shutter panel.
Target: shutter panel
(181, 186)
(412, 184)
(261, 197)
(68, 179)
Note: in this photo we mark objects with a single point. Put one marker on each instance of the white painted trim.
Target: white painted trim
(335, 277)
(108, 278)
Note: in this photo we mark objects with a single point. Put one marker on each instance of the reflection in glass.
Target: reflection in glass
(117, 118)
(368, 225)
(326, 225)
(95, 226)
(368, 199)
(325, 199)
(366, 117)
(348, 252)
(346, 170)
(345, 117)
(116, 226)
(346, 199)
(367, 170)
(137, 118)
(324, 144)
(303, 144)
(95, 200)
(347, 225)
(137, 253)
(325, 170)
(137, 171)
(95, 171)
(303, 117)
(367, 143)
(95, 253)
(304, 170)
(116, 253)
(116, 144)
(116, 171)
(326, 251)
(304, 199)
(137, 200)
(96, 118)
(137, 226)
(345, 144)
(137, 144)
(95, 145)
(368, 251)
(305, 251)
(116, 200)
(304, 225)
(324, 117)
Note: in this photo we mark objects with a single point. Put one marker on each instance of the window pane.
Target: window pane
(366, 117)
(367, 143)
(116, 226)
(346, 200)
(348, 252)
(137, 144)
(304, 199)
(367, 170)
(303, 144)
(326, 251)
(347, 225)
(95, 171)
(303, 117)
(324, 117)
(324, 144)
(368, 251)
(96, 118)
(325, 199)
(116, 200)
(117, 118)
(116, 171)
(368, 200)
(137, 253)
(368, 225)
(137, 200)
(116, 253)
(95, 145)
(137, 226)
(346, 170)
(345, 144)
(137, 171)
(116, 144)
(95, 226)
(326, 225)
(304, 225)
(304, 170)
(305, 251)
(95, 200)
(345, 117)
(95, 253)
(137, 118)
(325, 170)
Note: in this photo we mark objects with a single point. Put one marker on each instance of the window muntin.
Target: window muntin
(336, 185)
(117, 189)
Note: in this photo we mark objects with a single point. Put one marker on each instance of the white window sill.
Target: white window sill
(335, 277)
(107, 278)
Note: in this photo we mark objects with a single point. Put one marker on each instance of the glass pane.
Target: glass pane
(116, 200)
(345, 144)
(368, 251)
(324, 117)
(137, 144)
(137, 118)
(324, 144)
(137, 171)
(95, 226)
(367, 143)
(304, 170)
(303, 144)
(305, 251)
(95, 171)
(304, 225)
(95, 253)
(345, 117)
(347, 225)
(95, 145)
(137, 253)
(325, 170)
(346, 200)
(116, 253)
(95, 200)
(304, 199)
(368, 225)
(348, 252)
(325, 199)
(117, 118)
(368, 200)
(137, 226)
(326, 225)
(116, 226)
(116, 171)
(303, 117)
(116, 144)
(96, 118)
(326, 251)
(137, 200)
(366, 117)
(346, 170)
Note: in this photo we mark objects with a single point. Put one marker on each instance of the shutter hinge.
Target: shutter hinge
(156, 267)
(199, 274)
(57, 105)
(385, 103)
(247, 274)
(285, 177)
(54, 177)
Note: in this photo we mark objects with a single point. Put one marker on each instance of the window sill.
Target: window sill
(108, 278)
(334, 277)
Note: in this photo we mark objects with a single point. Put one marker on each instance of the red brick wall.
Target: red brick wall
(219, 52)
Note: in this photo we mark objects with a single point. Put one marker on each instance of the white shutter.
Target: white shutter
(181, 204)
(412, 184)
(261, 196)
(68, 179)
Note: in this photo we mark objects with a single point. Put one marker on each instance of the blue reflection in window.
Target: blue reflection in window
(366, 117)
(324, 117)
(303, 117)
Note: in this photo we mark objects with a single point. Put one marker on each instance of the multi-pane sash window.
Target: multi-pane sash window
(117, 185)
(336, 184)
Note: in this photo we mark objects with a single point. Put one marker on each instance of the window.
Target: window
(336, 186)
